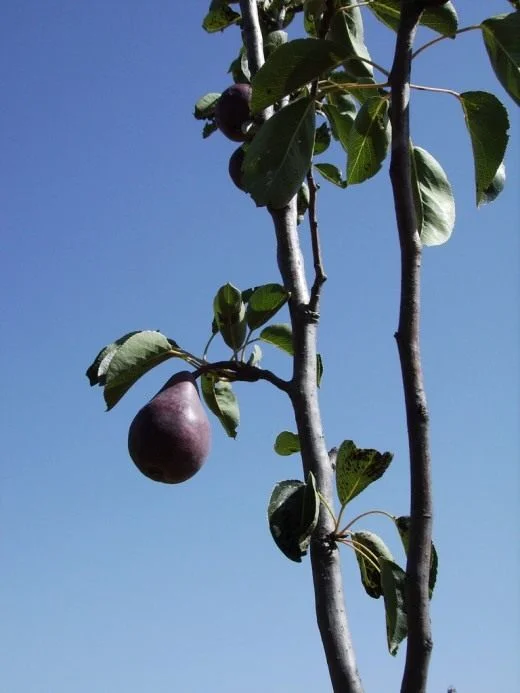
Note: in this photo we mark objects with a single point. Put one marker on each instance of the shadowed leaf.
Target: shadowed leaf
(221, 400)
(278, 158)
(332, 174)
(369, 550)
(441, 19)
(403, 527)
(219, 16)
(487, 123)
(502, 40)
(393, 583)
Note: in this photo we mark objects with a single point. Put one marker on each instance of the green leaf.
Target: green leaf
(344, 103)
(370, 549)
(443, 19)
(291, 67)
(221, 400)
(287, 443)
(393, 580)
(312, 13)
(321, 139)
(209, 128)
(219, 16)
(403, 527)
(346, 29)
(205, 106)
(501, 38)
(340, 124)
(263, 303)
(368, 140)
(332, 174)
(135, 357)
(96, 372)
(487, 123)
(496, 186)
(279, 157)
(357, 468)
(293, 514)
(434, 201)
(230, 315)
(280, 336)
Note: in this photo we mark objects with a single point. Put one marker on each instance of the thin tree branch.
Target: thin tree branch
(319, 274)
(243, 372)
(419, 644)
(303, 391)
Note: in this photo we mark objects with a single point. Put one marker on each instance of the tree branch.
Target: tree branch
(236, 370)
(303, 390)
(419, 643)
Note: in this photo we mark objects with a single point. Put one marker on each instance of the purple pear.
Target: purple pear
(232, 111)
(169, 438)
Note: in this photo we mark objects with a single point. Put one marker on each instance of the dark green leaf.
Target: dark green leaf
(96, 372)
(230, 315)
(209, 128)
(221, 400)
(264, 302)
(393, 582)
(321, 139)
(368, 140)
(219, 16)
(441, 19)
(280, 336)
(502, 39)
(369, 550)
(280, 155)
(403, 527)
(434, 201)
(139, 353)
(312, 13)
(356, 468)
(340, 124)
(332, 174)
(346, 30)
(293, 514)
(344, 103)
(487, 123)
(496, 186)
(287, 443)
(291, 67)
(205, 107)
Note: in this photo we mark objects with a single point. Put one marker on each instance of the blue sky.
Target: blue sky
(116, 215)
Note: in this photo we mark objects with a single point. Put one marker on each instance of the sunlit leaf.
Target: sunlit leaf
(441, 19)
(280, 336)
(219, 16)
(287, 443)
(434, 200)
(264, 302)
(205, 106)
(96, 372)
(346, 29)
(332, 174)
(140, 353)
(357, 468)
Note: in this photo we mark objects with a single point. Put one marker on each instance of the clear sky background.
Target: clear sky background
(115, 215)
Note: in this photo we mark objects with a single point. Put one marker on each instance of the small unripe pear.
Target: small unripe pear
(169, 438)
(232, 111)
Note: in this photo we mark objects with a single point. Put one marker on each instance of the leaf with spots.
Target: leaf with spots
(357, 468)
(393, 580)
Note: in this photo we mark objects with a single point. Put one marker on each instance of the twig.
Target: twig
(243, 372)
(473, 27)
(319, 274)
(419, 643)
